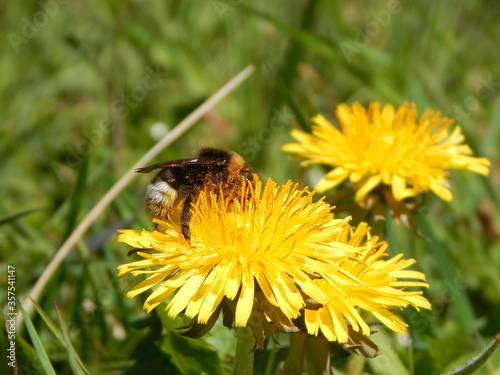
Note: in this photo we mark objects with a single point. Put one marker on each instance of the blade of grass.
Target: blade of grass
(37, 343)
(284, 93)
(73, 358)
(285, 78)
(326, 47)
(183, 126)
(52, 326)
(17, 215)
(390, 363)
(63, 337)
(462, 305)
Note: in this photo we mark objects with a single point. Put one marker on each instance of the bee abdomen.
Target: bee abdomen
(160, 198)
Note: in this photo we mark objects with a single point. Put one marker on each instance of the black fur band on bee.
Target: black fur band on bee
(177, 186)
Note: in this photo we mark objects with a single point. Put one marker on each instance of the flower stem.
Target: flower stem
(243, 359)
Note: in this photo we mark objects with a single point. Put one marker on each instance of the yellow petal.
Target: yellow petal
(245, 300)
(367, 186)
(331, 179)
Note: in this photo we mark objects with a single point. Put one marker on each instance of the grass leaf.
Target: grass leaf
(40, 351)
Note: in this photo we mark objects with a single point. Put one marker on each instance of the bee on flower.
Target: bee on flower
(265, 257)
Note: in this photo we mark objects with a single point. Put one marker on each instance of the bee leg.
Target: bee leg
(185, 231)
(185, 216)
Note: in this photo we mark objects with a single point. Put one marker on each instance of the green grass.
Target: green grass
(83, 84)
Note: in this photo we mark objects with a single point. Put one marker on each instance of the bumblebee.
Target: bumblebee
(179, 183)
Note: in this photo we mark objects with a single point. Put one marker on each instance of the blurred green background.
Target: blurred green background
(86, 88)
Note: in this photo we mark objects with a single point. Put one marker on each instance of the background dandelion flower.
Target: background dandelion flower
(386, 146)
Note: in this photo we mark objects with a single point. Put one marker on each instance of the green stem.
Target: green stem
(476, 362)
(295, 360)
(355, 365)
(243, 359)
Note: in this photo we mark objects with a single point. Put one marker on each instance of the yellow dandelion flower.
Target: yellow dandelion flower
(272, 243)
(276, 253)
(389, 147)
(380, 289)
